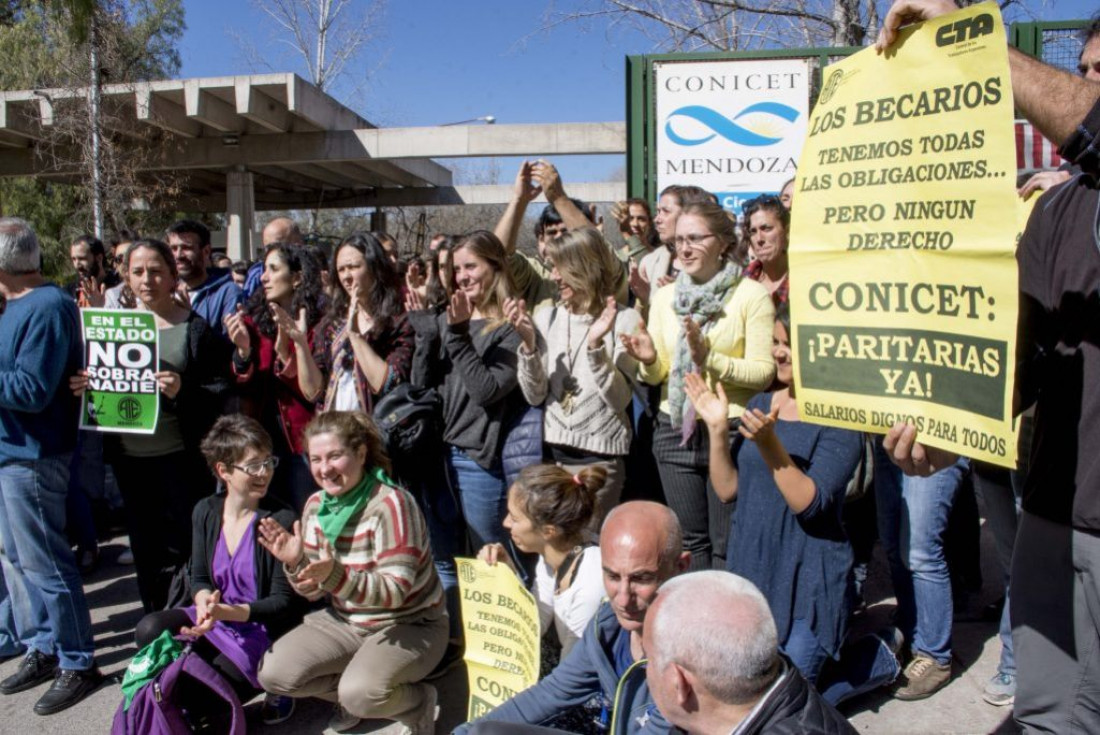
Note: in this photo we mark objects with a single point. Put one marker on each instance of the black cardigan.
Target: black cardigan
(276, 607)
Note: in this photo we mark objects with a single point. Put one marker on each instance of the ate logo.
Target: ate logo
(129, 409)
(966, 29)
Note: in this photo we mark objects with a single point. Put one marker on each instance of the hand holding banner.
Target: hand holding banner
(903, 277)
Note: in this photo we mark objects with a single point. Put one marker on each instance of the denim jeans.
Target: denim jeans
(484, 497)
(15, 609)
(32, 527)
(912, 518)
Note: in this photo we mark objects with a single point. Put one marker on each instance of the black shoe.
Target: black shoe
(36, 668)
(67, 689)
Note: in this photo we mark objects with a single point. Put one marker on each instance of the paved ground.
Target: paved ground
(112, 595)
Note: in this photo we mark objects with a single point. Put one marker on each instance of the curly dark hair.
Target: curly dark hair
(384, 299)
(309, 294)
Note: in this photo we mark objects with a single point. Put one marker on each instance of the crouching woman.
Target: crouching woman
(242, 599)
(361, 544)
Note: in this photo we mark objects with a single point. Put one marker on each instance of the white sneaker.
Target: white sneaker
(429, 713)
(341, 721)
(126, 557)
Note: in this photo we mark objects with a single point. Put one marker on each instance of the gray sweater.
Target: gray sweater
(597, 421)
(475, 372)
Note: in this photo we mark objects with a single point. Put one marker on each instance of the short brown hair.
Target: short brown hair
(230, 439)
(551, 496)
(354, 429)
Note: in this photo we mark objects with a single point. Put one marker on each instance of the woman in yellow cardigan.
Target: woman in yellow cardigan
(713, 322)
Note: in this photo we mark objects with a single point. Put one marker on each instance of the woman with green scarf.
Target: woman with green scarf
(363, 545)
(712, 322)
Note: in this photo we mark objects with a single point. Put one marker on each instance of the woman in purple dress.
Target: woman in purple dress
(242, 599)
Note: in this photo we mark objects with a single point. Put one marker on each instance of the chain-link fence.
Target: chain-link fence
(1061, 47)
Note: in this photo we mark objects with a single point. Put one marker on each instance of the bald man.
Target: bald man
(714, 665)
(284, 230)
(641, 546)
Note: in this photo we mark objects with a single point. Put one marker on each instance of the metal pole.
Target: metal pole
(93, 113)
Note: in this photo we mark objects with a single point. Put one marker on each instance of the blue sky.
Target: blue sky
(439, 61)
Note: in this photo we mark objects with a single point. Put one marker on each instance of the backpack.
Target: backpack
(157, 709)
(408, 419)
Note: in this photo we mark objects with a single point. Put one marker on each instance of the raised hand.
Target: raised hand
(711, 406)
(903, 12)
(95, 293)
(459, 311)
(758, 426)
(547, 177)
(414, 301)
(281, 544)
(603, 324)
(639, 284)
(640, 345)
(620, 212)
(237, 332)
(515, 311)
(294, 330)
(697, 343)
(525, 190)
(416, 280)
(169, 382)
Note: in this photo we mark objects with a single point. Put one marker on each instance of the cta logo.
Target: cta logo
(831, 84)
(766, 132)
(966, 29)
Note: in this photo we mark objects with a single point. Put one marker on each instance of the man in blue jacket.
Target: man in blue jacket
(641, 546)
(40, 348)
(213, 293)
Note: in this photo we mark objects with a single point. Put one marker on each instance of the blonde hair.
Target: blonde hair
(587, 266)
(488, 247)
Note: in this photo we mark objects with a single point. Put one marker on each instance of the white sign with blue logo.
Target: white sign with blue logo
(734, 127)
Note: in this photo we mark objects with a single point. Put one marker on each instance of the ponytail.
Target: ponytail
(551, 496)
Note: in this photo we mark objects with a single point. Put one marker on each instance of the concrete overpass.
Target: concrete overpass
(274, 141)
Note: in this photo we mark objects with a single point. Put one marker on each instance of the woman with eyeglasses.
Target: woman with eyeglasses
(242, 600)
(766, 233)
(274, 338)
(161, 475)
(716, 324)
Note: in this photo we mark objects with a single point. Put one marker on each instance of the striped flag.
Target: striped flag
(1033, 151)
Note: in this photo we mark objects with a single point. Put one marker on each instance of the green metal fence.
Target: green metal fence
(1057, 43)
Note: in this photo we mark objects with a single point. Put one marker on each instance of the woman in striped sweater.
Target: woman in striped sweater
(362, 544)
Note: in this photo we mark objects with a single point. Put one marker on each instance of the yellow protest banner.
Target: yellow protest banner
(903, 285)
(501, 621)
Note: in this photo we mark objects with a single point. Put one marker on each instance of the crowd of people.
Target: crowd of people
(617, 425)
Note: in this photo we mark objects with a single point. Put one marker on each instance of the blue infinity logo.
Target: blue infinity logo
(727, 128)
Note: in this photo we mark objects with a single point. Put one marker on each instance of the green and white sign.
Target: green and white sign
(120, 355)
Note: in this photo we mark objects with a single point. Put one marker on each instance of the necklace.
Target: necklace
(570, 385)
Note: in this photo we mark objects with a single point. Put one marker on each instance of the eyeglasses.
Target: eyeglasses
(690, 240)
(258, 469)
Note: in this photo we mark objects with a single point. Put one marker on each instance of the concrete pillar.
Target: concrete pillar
(378, 220)
(240, 213)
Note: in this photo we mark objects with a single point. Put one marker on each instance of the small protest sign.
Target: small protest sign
(501, 622)
(120, 356)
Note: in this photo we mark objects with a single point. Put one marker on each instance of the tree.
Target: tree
(52, 48)
(739, 25)
(328, 36)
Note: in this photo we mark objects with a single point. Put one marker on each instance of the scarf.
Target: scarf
(337, 510)
(704, 303)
